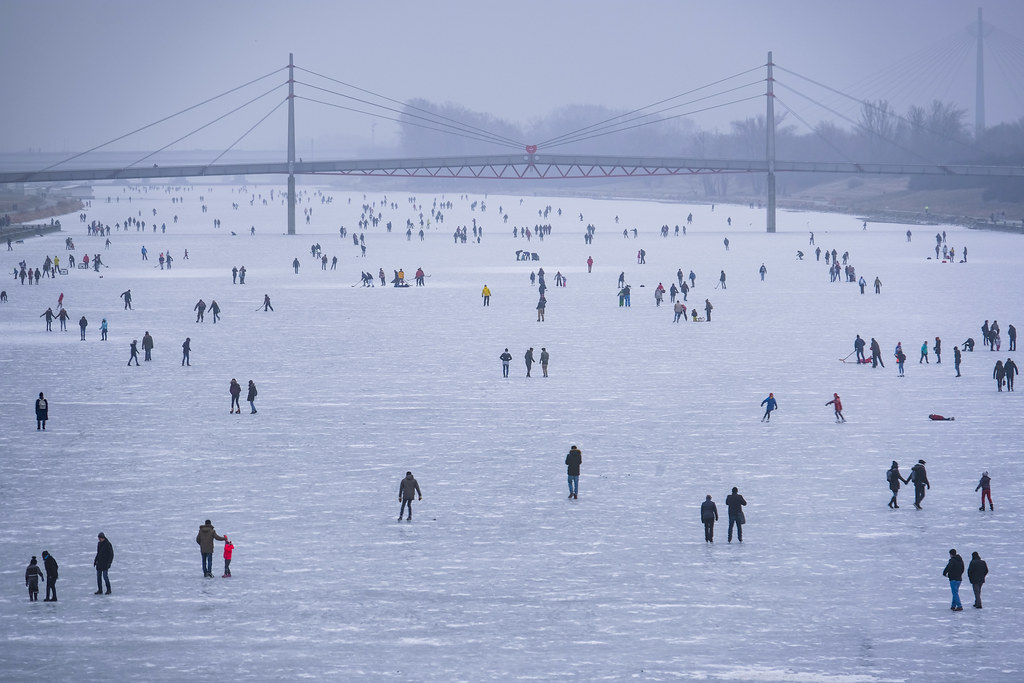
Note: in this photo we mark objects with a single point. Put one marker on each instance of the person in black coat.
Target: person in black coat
(42, 411)
(735, 503)
(104, 558)
(919, 476)
(954, 571)
(408, 489)
(876, 354)
(709, 515)
(977, 570)
(51, 576)
(251, 397)
(894, 477)
(573, 461)
(33, 573)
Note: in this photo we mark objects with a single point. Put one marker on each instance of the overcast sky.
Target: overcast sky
(78, 73)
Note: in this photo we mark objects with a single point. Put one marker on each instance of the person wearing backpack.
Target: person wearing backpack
(893, 476)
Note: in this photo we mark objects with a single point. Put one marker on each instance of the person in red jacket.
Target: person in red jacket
(229, 547)
(838, 405)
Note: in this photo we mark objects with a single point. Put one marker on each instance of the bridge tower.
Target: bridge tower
(979, 84)
(770, 151)
(291, 144)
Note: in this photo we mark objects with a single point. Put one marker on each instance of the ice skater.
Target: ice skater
(408, 489)
(985, 485)
(134, 348)
(770, 404)
(838, 405)
(266, 303)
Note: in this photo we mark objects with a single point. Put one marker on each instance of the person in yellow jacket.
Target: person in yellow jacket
(486, 294)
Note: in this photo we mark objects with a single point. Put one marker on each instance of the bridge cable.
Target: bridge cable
(653, 104)
(490, 137)
(816, 131)
(668, 118)
(567, 139)
(458, 132)
(205, 125)
(166, 118)
(246, 133)
(858, 125)
(863, 103)
(406, 106)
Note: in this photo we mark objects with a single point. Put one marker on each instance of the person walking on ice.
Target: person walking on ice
(408, 489)
(709, 515)
(200, 309)
(954, 571)
(205, 538)
(770, 404)
(977, 570)
(295, 265)
(42, 411)
(186, 349)
(838, 405)
(924, 354)
(251, 397)
(529, 360)
(134, 348)
(486, 294)
(572, 462)
(104, 558)
(235, 389)
(985, 485)
(229, 549)
(32, 576)
(919, 476)
(506, 358)
(735, 503)
(893, 476)
(544, 358)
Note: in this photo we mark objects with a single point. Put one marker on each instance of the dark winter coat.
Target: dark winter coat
(708, 511)
(985, 484)
(735, 503)
(573, 461)
(954, 568)
(104, 555)
(409, 488)
(42, 409)
(205, 538)
(147, 342)
(33, 574)
(51, 567)
(1010, 368)
(235, 389)
(895, 478)
(919, 476)
(977, 570)
(251, 396)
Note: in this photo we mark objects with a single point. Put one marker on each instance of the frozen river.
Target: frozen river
(500, 577)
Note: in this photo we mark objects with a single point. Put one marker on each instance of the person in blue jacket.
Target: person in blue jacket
(770, 404)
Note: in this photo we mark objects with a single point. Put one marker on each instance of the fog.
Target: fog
(84, 74)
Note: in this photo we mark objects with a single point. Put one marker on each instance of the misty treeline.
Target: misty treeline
(938, 133)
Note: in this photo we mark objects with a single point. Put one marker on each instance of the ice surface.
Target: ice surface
(500, 577)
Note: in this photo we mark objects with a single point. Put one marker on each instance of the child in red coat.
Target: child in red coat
(229, 547)
(838, 405)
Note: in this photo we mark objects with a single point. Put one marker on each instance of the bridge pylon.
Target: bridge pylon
(291, 144)
(770, 147)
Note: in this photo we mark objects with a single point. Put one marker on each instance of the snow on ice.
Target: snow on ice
(500, 576)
